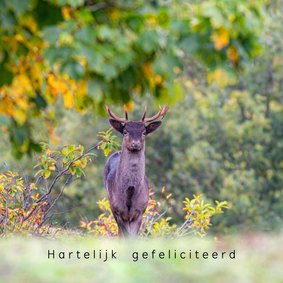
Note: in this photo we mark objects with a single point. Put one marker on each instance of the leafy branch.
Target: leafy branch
(22, 206)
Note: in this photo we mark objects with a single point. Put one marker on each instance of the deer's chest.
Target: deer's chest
(132, 175)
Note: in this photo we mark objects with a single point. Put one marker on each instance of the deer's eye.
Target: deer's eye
(144, 133)
(125, 132)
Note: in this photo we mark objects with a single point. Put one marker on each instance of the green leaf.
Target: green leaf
(47, 14)
(94, 90)
(19, 7)
(74, 69)
(86, 35)
(85, 16)
(72, 3)
(104, 32)
(148, 41)
(4, 120)
(46, 173)
(51, 34)
(78, 172)
(54, 54)
(8, 20)
(65, 151)
(109, 71)
(94, 58)
(73, 170)
(6, 77)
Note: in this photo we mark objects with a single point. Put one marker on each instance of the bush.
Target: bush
(26, 207)
(198, 214)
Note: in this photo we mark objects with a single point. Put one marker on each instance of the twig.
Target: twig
(184, 224)
(155, 220)
(54, 202)
(98, 6)
(186, 234)
(65, 170)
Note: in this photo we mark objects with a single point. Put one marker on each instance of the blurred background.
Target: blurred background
(217, 64)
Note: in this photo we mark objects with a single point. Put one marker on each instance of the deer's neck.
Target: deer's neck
(131, 169)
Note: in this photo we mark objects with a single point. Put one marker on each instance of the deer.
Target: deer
(124, 171)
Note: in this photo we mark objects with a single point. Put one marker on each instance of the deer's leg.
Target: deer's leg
(122, 226)
(122, 229)
(129, 224)
(122, 220)
(134, 225)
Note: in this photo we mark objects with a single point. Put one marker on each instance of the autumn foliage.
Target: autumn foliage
(157, 223)
(26, 207)
(83, 54)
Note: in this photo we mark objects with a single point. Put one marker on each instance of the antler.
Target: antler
(112, 115)
(161, 113)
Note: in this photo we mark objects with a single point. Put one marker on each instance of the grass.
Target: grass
(258, 259)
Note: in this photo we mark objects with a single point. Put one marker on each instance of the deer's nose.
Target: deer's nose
(136, 144)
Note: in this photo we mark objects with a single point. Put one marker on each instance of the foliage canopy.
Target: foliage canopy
(91, 52)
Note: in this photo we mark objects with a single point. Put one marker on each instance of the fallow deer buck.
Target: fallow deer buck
(124, 172)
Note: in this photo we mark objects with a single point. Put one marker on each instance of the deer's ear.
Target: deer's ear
(152, 127)
(118, 126)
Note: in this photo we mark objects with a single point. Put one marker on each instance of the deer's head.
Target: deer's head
(134, 132)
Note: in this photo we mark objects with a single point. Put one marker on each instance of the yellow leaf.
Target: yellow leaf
(29, 22)
(67, 12)
(221, 38)
(219, 77)
(19, 37)
(65, 39)
(147, 70)
(83, 224)
(35, 72)
(56, 85)
(129, 106)
(148, 73)
(22, 83)
(158, 79)
(114, 14)
(152, 21)
(177, 70)
(12, 42)
(61, 86)
(233, 54)
(231, 18)
(81, 88)
(68, 99)
(6, 105)
(137, 89)
(22, 102)
(20, 115)
(168, 196)
(24, 146)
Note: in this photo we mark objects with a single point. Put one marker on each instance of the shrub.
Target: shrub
(26, 207)
(198, 214)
